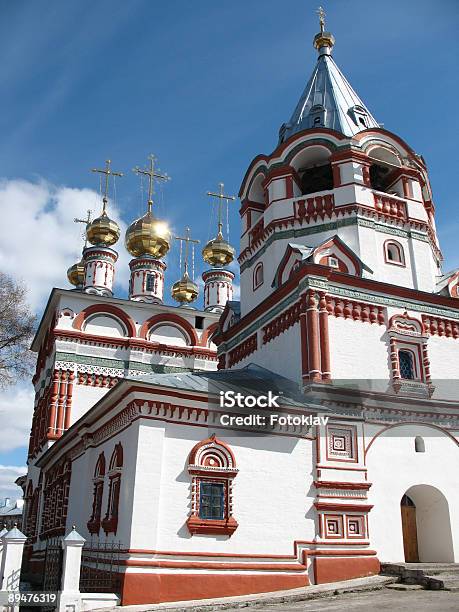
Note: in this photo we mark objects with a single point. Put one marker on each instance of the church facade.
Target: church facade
(342, 296)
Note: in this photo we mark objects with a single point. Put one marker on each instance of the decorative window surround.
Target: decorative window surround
(110, 521)
(211, 462)
(93, 524)
(407, 334)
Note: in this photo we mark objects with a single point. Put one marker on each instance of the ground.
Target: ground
(385, 599)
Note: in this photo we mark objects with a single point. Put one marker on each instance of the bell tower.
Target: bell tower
(338, 187)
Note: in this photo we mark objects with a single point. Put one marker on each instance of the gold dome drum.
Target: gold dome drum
(185, 290)
(75, 274)
(218, 252)
(148, 236)
(103, 230)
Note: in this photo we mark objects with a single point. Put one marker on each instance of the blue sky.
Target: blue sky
(205, 85)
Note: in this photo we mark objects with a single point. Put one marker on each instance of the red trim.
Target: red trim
(277, 153)
(335, 570)
(105, 309)
(330, 484)
(342, 507)
(171, 318)
(207, 333)
(154, 588)
(351, 281)
(135, 343)
(197, 525)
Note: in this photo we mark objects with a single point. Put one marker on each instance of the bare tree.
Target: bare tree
(17, 325)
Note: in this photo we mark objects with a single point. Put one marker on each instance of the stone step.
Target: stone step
(434, 576)
(442, 581)
(400, 586)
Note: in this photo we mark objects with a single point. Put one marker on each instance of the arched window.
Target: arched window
(98, 491)
(394, 253)
(110, 522)
(258, 276)
(419, 444)
(406, 364)
(213, 469)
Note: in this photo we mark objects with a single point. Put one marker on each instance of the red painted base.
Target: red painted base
(344, 568)
(156, 588)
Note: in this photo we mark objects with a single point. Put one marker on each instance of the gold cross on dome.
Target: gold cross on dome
(220, 198)
(187, 240)
(86, 222)
(153, 175)
(321, 13)
(108, 172)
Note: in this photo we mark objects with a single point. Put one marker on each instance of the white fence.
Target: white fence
(70, 599)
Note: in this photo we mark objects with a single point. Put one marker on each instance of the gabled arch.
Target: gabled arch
(99, 470)
(107, 309)
(116, 460)
(170, 318)
(212, 453)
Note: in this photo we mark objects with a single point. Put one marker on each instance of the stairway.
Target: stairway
(434, 576)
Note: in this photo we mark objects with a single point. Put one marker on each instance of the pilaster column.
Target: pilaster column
(324, 337)
(313, 336)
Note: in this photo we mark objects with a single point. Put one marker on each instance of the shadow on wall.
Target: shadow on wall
(434, 536)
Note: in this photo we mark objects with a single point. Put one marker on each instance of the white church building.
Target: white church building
(343, 295)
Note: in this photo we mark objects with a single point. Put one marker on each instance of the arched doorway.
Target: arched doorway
(426, 526)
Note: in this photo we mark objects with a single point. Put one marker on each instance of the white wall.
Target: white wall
(394, 467)
(270, 494)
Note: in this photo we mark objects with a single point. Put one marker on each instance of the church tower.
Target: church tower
(218, 253)
(99, 259)
(148, 240)
(340, 189)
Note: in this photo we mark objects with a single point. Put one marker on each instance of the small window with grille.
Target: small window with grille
(406, 364)
(211, 500)
(150, 282)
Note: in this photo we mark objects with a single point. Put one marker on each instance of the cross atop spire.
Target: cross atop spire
(187, 240)
(153, 175)
(321, 13)
(220, 198)
(86, 222)
(108, 172)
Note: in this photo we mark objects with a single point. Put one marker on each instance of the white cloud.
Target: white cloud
(16, 408)
(8, 474)
(40, 240)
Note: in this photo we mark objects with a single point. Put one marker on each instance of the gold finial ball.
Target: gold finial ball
(103, 230)
(75, 274)
(218, 252)
(185, 290)
(148, 236)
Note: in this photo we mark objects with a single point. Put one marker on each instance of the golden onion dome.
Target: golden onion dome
(148, 236)
(185, 290)
(103, 230)
(218, 252)
(75, 274)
